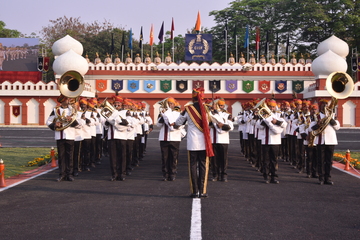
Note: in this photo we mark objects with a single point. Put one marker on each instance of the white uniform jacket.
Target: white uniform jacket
(68, 133)
(328, 136)
(272, 132)
(167, 132)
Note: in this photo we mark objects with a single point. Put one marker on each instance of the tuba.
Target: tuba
(340, 85)
(71, 84)
(263, 109)
(164, 106)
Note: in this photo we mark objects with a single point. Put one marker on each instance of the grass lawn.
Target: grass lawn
(17, 160)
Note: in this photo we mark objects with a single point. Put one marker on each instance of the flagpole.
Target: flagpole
(236, 49)
(226, 48)
(173, 45)
(122, 53)
(142, 52)
(162, 52)
(151, 52)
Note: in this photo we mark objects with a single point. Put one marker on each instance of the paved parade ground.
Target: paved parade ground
(144, 207)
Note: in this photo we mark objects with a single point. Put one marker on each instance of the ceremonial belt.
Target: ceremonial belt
(195, 117)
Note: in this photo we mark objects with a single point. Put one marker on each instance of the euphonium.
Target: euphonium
(64, 120)
(340, 85)
(263, 109)
(164, 106)
(71, 84)
(107, 109)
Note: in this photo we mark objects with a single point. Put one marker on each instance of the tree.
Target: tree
(8, 33)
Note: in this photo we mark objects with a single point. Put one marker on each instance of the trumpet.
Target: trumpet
(164, 106)
(263, 109)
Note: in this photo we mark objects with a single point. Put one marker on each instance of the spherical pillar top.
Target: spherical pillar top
(65, 44)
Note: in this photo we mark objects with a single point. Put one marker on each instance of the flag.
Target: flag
(225, 29)
(198, 23)
(112, 44)
(172, 29)
(267, 44)
(235, 32)
(246, 42)
(257, 40)
(140, 38)
(161, 33)
(277, 44)
(152, 35)
(123, 41)
(287, 45)
(130, 39)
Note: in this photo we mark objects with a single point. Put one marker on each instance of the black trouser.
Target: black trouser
(117, 152)
(77, 156)
(300, 154)
(65, 157)
(129, 154)
(198, 169)
(325, 156)
(259, 160)
(98, 147)
(136, 150)
(86, 153)
(241, 142)
(311, 161)
(251, 142)
(92, 149)
(270, 153)
(169, 157)
(284, 149)
(292, 144)
(220, 160)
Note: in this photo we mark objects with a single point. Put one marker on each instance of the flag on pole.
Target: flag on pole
(161, 33)
(246, 42)
(198, 23)
(257, 39)
(141, 37)
(112, 44)
(267, 44)
(152, 35)
(172, 29)
(130, 39)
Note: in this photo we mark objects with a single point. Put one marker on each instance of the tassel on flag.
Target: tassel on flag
(161, 33)
(198, 23)
(151, 35)
(172, 29)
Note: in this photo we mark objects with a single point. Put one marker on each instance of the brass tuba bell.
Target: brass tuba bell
(107, 109)
(71, 84)
(340, 85)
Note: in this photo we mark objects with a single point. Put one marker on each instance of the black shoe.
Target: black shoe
(274, 181)
(321, 183)
(165, 179)
(71, 179)
(308, 176)
(98, 163)
(87, 169)
(267, 181)
(120, 178)
(300, 171)
(60, 179)
(76, 174)
(194, 195)
(214, 179)
(224, 180)
(128, 173)
(329, 182)
(93, 165)
(314, 176)
(113, 179)
(204, 195)
(172, 179)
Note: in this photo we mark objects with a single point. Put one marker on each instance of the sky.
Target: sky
(31, 16)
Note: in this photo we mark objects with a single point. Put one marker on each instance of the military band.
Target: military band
(298, 132)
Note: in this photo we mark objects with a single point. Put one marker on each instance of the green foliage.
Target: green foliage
(8, 33)
(17, 160)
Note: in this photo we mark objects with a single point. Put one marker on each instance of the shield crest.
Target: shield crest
(181, 85)
(280, 86)
(117, 85)
(101, 85)
(133, 85)
(165, 85)
(214, 85)
(149, 85)
(16, 110)
(298, 86)
(46, 64)
(248, 86)
(40, 63)
(231, 85)
(264, 86)
(198, 84)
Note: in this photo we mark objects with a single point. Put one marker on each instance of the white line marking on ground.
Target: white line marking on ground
(195, 229)
(354, 175)
(13, 185)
